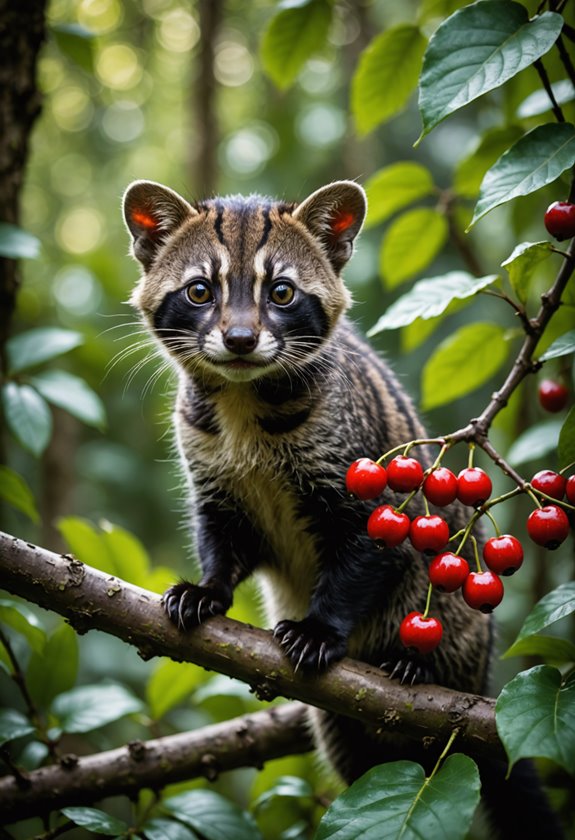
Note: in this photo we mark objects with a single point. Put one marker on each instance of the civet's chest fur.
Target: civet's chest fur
(277, 396)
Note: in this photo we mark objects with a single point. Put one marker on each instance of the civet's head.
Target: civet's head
(242, 287)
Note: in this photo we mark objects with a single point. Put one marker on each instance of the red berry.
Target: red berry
(429, 533)
(503, 554)
(448, 571)
(473, 486)
(550, 483)
(570, 489)
(548, 526)
(483, 591)
(365, 479)
(388, 526)
(404, 474)
(559, 219)
(423, 634)
(553, 395)
(440, 487)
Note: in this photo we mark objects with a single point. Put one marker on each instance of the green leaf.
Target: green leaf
(86, 543)
(411, 243)
(537, 441)
(95, 820)
(562, 346)
(72, 394)
(76, 43)
(551, 608)
(16, 243)
(170, 683)
(523, 262)
(92, 706)
(539, 102)
(386, 76)
(535, 717)
(566, 446)
(394, 187)
(212, 816)
(396, 800)
(158, 829)
(23, 621)
(27, 416)
(470, 170)
(34, 347)
(478, 49)
(291, 37)
(430, 298)
(463, 362)
(55, 669)
(127, 556)
(537, 159)
(13, 725)
(291, 787)
(552, 649)
(15, 491)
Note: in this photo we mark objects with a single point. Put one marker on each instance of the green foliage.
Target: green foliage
(214, 817)
(54, 669)
(522, 264)
(72, 394)
(396, 800)
(93, 706)
(95, 820)
(15, 490)
(563, 346)
(535, 715)
(170, 684)
(412, 242)
(477, 49)
(294, 34)
(27, 416)
(395, 187)
(537, 441)
(566, 445)
(386, 76)
(13, 725)
(35, 347)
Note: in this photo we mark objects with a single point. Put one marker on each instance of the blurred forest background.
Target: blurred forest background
(177, 93)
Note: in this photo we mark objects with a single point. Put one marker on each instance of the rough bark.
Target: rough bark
(248, 741)
(22, 31)
(206, 132)
(90, 599)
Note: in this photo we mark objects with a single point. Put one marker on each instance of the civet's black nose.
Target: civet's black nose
(240, 340)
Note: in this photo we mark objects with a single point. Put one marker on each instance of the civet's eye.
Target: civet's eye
(199, 292)
(282, 293)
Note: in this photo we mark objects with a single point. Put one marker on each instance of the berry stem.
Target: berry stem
(470, 456)
(428, 601)
(493, 522)
(476, 554)
(407, 500)
(404, 447)
(551, 499)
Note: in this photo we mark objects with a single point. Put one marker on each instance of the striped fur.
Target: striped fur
(275, 401)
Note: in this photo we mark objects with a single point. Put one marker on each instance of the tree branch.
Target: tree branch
(90, 599)
(247, 741)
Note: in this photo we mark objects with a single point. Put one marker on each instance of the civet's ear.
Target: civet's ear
(152, 212)
(334, 214)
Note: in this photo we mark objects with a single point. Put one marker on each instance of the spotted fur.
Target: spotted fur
(275, 400)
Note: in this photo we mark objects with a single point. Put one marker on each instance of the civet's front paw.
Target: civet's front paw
(310, 644)
(188, 605)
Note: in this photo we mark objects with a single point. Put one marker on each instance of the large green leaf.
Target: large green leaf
(92, 706)
(109, 548)
(72, 394)
(36, 346)
(552, 649)
(411, 243)
(13, 724)
(463, 362)
(15, 491)
(85, 542)
(159, 829)
(55, 669)
(16, 243)
(566, 446)
(394, 187)
(292, 36)
(562, 346)
(539, 101)
(96, 821)
(23, 621)
(478, 49)
(470, 170)
(535, 442)
(212, 816)
(523, 262)
(395, 800)
(557, 604)
(170, 684)
(386, 76)
(430, 298)
(535, 716)
(27, 416)
(76, 43)
(537, 159)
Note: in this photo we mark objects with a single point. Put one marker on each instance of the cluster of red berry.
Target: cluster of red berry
(503, 554)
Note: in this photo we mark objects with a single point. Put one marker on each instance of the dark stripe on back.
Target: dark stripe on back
(267, 228)
(218, 223)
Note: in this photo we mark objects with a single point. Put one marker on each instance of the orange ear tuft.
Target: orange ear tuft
(144, 219)
(342, 221)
